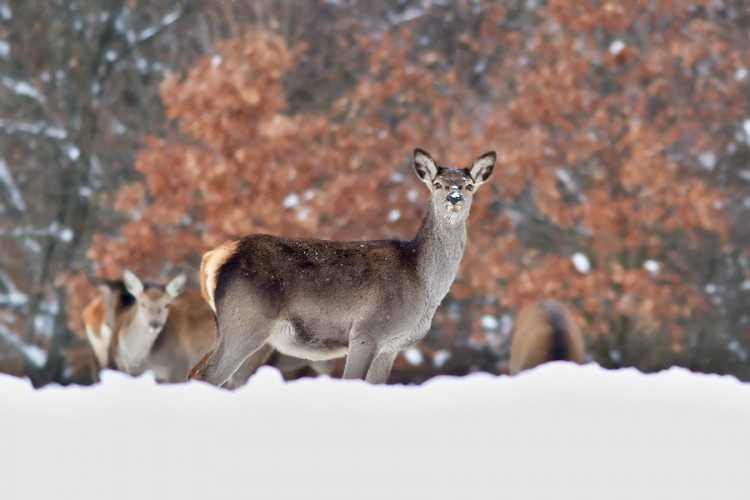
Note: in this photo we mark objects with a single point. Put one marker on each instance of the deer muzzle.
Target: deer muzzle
(454, 197)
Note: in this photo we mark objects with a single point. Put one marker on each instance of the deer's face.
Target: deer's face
(153, 303)
(453, 188)
(153, 308)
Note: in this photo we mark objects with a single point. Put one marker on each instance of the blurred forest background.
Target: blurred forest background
(140, 134)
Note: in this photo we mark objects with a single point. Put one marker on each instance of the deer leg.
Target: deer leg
(235, 341)
(381, 368)
(248, 367)
(360, 357)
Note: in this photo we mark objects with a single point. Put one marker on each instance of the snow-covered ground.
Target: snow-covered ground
(560, 430)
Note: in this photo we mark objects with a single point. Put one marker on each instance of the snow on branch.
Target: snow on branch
(15, 194)
(23, 89)
(31, 353)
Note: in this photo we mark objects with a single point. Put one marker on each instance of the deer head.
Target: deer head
(453, 188)
(153, 303)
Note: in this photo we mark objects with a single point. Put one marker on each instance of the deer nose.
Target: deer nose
(454, 197)
(154, 324)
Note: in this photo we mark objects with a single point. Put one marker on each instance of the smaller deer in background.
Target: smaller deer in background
(544, 331)
(138, 327)
(99, 316)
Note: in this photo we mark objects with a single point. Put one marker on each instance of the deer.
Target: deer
(544, 331)
(324, 299)
(187, 334)
(166, 330)
(99, 315)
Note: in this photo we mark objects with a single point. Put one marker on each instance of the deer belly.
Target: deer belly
(302, 344)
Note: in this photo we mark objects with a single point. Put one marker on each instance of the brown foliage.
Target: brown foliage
(599, 114)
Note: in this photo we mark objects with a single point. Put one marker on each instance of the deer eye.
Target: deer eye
(470, 187)
(438, 185)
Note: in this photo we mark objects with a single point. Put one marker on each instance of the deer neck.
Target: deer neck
(440, 246)
(135, 342)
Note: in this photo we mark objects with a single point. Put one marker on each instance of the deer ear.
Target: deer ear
(176, 286)
(425, 166)
(482, 168)
(132, 283)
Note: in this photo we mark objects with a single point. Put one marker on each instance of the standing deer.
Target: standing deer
(160, 329)
(544, 331)
(319, 300)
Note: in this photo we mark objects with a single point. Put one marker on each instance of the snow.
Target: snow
(581, 262)
(23, 89)
(290, 200)
(707, 159)
(616, 47)
(413, 356)
(440, 358)
(651, 266)
(557, 431)
(15, 194)
(488, 322)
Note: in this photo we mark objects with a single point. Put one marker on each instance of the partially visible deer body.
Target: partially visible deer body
(318, 300)
(99, 316)
(542, 332)
(165, 330)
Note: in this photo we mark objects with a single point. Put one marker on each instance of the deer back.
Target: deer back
(544, 331)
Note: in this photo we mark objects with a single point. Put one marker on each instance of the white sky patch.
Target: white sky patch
(5, 11)
(412, 195)
(745, 285)
(616, 47)
(397, 177)
(15, 194)
(216, 61)
(257, 428)
(740, 74)
(651, 266)
(4, 49)
(581, 262)
(291, 200)
(488, 322)
(394, 215)
(707, 159)
(746, 128)
(440, 358)
(711, 288)
(414, 356)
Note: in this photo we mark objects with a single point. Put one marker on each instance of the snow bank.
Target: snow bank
(562, 430)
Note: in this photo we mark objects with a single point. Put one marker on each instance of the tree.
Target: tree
(615, 130)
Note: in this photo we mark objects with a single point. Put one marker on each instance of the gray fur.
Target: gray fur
(320, 300)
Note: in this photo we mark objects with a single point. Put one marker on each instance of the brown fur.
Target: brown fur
(93, 315)
(544, 331)
(319, 299)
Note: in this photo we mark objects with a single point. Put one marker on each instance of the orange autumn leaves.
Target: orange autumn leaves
(587, 109)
